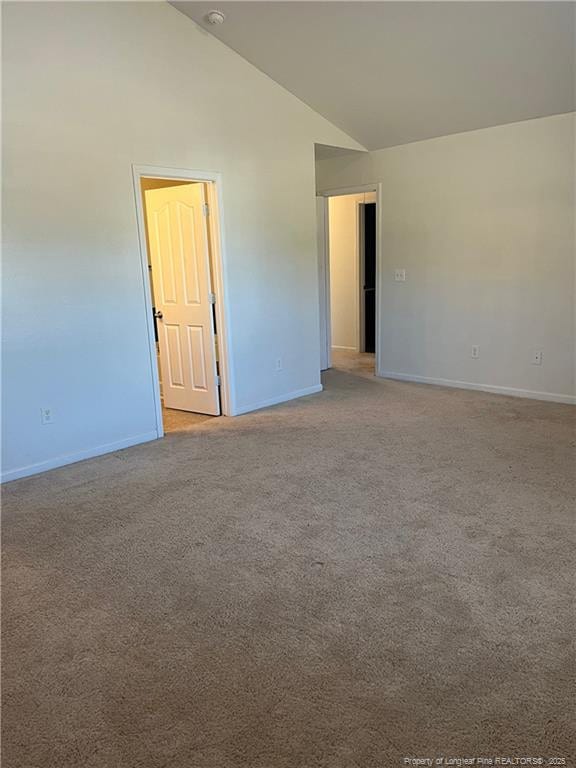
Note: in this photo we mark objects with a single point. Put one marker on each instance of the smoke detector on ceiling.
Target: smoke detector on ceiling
(215, 17)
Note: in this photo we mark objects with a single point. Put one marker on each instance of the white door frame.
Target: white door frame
(322, 235)
(327, 193)
(216, 227)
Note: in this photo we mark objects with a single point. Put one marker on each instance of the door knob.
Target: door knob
(158, 315)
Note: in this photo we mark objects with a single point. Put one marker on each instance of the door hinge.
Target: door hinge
(218, 381)
(212, 298)
(205, 209)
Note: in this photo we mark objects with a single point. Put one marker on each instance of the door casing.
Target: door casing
(323, 282)
(325, 267)
(213, 181)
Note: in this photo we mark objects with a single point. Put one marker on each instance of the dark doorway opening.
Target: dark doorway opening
(369, 278)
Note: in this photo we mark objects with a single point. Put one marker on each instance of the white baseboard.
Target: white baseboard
(344, 349)
(72, 458)
(277, 400)
(494, 389)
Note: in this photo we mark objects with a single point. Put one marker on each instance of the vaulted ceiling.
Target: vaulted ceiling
(390, 73)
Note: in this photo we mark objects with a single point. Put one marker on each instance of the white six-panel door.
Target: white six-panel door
(178, 241)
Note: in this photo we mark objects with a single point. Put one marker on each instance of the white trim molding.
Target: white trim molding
(358, 189)
(279, 399)
(72, 458)
(493, 389)
(216, 223)
(346, 349)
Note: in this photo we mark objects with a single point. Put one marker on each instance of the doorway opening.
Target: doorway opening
(348, 270)
(179, 223)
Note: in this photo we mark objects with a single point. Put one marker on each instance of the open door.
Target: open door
(177, 231)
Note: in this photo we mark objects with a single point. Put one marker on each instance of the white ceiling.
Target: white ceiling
(390, 73)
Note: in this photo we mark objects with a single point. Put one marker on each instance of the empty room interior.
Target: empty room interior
(288, 384)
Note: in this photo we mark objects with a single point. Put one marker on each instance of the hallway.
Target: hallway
(358, 363)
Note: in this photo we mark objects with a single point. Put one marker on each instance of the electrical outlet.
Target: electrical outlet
(47, 415)
(400, 275)
(475, 352)
(537, 357)
(279, 364)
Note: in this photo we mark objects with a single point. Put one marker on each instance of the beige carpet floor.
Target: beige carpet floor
(379, 571)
